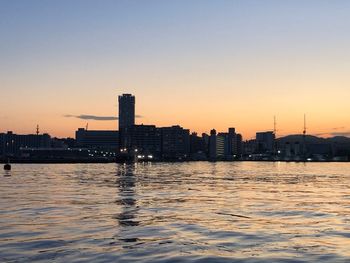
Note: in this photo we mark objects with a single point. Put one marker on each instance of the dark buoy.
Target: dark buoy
(7, 167)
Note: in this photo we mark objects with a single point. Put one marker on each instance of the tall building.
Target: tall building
(235, 143)
(231, 137)
(212, 145)
(126, 110)
(238, 147)
(221, 146)
(126, 118)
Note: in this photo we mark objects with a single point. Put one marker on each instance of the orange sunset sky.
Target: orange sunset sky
(199, 64)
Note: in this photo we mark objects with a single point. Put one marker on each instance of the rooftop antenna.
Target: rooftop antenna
(87, 126)
(37, 129)
(274, 132)
(304, 138)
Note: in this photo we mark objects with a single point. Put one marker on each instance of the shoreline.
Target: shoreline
(82, 161)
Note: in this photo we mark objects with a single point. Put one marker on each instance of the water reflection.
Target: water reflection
(126, 181)
(180, 212)
(7, 173)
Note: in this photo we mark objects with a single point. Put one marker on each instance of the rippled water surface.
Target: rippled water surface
(178, 212)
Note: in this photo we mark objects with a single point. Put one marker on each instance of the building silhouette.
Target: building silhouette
(11, 143)
(198, 147)
(212, 145)
(221, 146)
(126, 104)
(265, 142)
(175, 143)
(98, 139)
(144, 140)
(224, 145)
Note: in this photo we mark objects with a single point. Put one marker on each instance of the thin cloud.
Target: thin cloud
(95, 118)
(321, 133)
(338, 128)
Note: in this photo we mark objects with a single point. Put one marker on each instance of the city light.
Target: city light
(174, 143)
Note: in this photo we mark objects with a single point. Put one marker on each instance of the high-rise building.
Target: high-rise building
(212, 145)
(126, 118)
(238, 147)
(126, 110)
(235, 143)
(221, 146)
(231, 137)
(206, 143)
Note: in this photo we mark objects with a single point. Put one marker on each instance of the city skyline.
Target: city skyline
(132, 117)
(202, 65)
(138, 143)
(126, 118)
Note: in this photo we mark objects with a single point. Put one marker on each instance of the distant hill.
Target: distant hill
(313, 139)
(340, 139)
(299, 138)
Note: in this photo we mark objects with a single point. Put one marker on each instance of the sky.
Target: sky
(197, 63)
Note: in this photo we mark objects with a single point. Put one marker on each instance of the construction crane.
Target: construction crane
(275, 133)
(304, 138)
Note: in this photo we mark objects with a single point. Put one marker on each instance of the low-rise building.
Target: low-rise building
(99, 139)
(11, 143)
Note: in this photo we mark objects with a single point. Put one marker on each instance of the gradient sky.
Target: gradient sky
(201, 64)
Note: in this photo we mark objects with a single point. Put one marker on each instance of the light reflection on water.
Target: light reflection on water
(176, 212)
